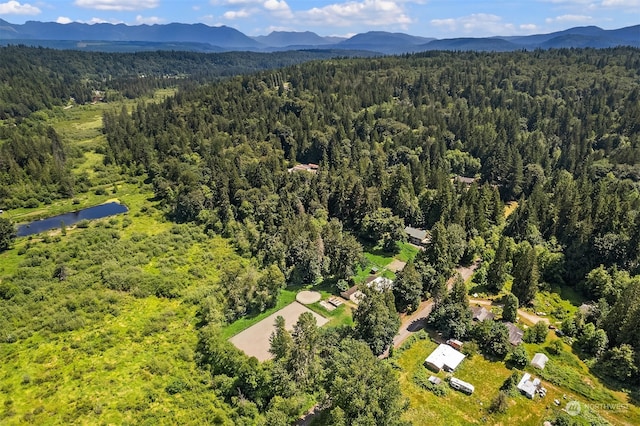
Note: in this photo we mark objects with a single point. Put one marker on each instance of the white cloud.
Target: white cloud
(150, 20)
(621, 3)
(64, 20)
(245, 8)
(478, 24)
(278, 8)
(237, 14)
(528, 27)
(569, 18)
(117, 5)
(233, 3)
(102, 21)
(370, 12)
(15, 8)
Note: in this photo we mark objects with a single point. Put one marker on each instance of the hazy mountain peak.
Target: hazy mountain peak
(52, 34)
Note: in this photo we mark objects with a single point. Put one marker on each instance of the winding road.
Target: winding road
(415, 322)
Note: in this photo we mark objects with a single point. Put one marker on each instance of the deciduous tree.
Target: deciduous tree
(407, 289)
(376, 319)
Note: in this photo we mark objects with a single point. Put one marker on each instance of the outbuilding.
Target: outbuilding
(539, 361)
(444, 358)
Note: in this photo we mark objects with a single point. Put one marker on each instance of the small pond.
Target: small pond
(95, 212)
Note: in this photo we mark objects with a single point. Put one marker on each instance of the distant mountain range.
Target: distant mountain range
(203, 38)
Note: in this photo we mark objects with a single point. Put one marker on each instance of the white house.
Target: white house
(444, 358)
(381, 284)
(528, 386)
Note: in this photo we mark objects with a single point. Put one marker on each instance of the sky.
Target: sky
(428, 18)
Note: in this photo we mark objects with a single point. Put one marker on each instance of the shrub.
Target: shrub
(31, 203)
(519, 357)
(510, 385)
(422, 380)
(537, 333)
(83, 224)
(500, 403)
(470, 349)
(176, 386)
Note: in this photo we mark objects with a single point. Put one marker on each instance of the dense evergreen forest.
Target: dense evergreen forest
(556, 133)
(36, 78)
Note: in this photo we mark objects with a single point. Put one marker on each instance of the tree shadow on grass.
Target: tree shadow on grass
(633, 391)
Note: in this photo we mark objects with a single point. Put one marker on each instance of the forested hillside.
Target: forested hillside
(556, 133)
(36, 78)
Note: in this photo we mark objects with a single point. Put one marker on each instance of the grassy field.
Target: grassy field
(566, 378)
(376, 258)
(286, 297)
(108, 371)
(86, 354)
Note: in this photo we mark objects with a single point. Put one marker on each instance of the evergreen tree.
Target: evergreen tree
(525, 274)
(438, 253)
(510, 308)
(7, 233)
(458, 293)
(280, 341)
(304, 362)
(496, 274)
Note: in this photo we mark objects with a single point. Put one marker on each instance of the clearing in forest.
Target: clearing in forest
(254, 341)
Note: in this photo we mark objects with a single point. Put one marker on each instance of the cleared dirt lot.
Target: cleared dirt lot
(254, 341)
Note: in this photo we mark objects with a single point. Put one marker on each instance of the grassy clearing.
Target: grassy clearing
(558, 304)
(375, 257)
(107, 372)
(286, 297)
(408, 252)
(127, 356)
(341, 316)
(566, 378)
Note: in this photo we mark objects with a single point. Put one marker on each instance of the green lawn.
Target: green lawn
(341, 316)
(377, 258)
(286, 297)
(563, 371)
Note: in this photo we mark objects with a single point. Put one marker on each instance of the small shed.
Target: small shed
(461, 386)
(539, 361)
(435, 380)
(444, 357)
(455, 344)
(354, 294)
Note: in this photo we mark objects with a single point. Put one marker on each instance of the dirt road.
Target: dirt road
(532, 318)
(416, 321)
